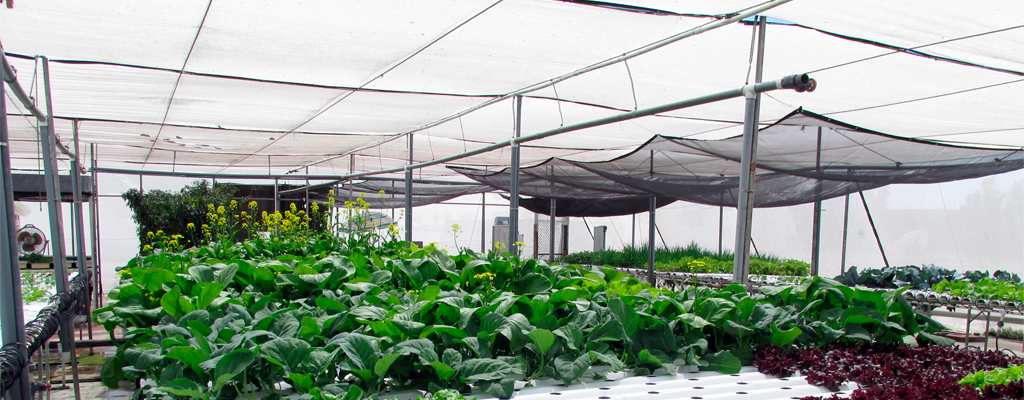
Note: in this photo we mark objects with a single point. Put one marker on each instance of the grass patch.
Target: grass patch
(689, 258)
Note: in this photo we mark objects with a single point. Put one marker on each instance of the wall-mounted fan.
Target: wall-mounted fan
(31, 240)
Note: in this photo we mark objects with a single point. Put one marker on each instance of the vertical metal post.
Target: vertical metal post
(632, 234)
(513, 200)
(277, 195)
(875, 231)
(483, 223)
(76, 213)
(846, 221)
(94, 211)
(650, 240)
(408, 195)
(351, 169)
(53, 197)
(721, 223)
(745, 204)
(551, 247)
(305, 199)
(12, 319)
(816, 224)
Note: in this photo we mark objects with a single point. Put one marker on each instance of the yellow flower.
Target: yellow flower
(147, 248)
(293, 207)
(233, 204)
(191, 226)
(519, 244)
(223, 221)
(220, 209)
(381, 192)
(245, 225)
(330, 192)
(253, 205)
(149, 234)
(209, 207)
(316, 207)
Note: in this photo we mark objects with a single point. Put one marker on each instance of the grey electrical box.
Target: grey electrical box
(600, 232)
(499, 234)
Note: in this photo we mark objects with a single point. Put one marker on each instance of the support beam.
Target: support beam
(551, 247)
(277, 195)
(652, 227)
(12, 319)
(816, 223)
(873, 230)
(60, 272)
(408, 195)
(632, 233)
(94, 212)
(513, 200)
(745, 205)
(846, 221)
(76, 213)
(721, 224)
(483, 223)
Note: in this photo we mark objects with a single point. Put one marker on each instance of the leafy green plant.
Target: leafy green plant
(37, 285)
(923, 277)
(998, 376)
(983, 289)
(361, 314)
(691, 258)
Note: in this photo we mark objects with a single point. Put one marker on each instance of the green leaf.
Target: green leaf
(501, 389)
(625, 314)
(781, 338)
(206, 293)
(485, 369)
(611, 330)
(226, 275)
(723, 362)
(855, 331)
(188, 355)
(428, 293)
(169, 302)
(201, 273)
(939, 340)
(142, 358)
(424, 348)
(694, 321)
(444, 371)
(234, 362)
(381, 366)
(543, 339)
(372, 313)
(452, 358)
(286, 352)
(361, 350)
(330, 304)
(302, 382)
(649, 360)
(183, 387)
(533, 283)
(451, 330)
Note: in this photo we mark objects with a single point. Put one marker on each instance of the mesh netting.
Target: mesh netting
(791, 167)
(393, 195)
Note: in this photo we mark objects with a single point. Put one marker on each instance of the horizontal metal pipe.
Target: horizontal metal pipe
(798, 82)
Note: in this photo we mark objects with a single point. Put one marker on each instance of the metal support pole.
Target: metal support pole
(408, 195)
(76, 213)
(875, 231)
(47, 140)
(94, 212)
(816, 223)
(305, 198)
(12, 319)
(721, 223)
(351, 168)
(632, 234)
(745, 204)
(551, 247)
(650, 240)
(846, 221)
(277, 195)
(513, 200)
(483, 223)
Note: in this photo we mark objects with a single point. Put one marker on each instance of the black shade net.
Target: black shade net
(792, 168)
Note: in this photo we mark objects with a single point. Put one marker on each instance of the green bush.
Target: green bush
(170, 212)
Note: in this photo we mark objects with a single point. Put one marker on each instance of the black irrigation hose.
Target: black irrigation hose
(61, 308)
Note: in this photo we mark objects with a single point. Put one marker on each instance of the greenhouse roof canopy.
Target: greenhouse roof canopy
(261, 87)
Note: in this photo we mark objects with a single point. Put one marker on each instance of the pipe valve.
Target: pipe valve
(800, 83)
